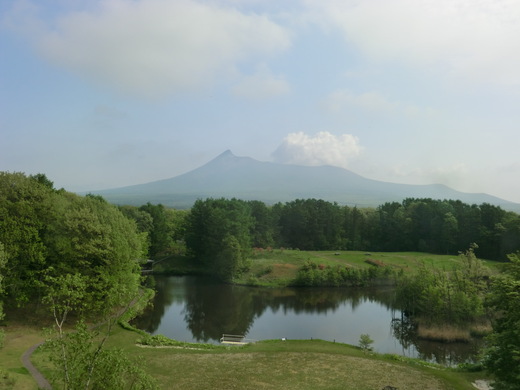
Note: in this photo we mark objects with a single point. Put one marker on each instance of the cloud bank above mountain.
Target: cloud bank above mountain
(323, 148)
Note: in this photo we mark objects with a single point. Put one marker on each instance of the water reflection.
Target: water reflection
(449, 354)
(200, 310)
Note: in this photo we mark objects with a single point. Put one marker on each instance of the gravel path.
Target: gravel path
(37, 375)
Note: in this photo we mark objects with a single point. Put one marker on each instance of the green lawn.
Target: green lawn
(288, 364)
(18, 339)
(273, 364)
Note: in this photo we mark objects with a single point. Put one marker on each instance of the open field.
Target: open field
(279, 267)
(273, 364)
(291, 364)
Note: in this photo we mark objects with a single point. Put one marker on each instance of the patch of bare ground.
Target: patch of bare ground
(284, 271)
(482, 384)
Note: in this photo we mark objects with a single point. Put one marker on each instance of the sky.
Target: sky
(100, 94)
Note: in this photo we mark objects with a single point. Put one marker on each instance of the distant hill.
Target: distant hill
(230, 176)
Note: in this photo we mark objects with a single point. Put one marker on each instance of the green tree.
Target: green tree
(216, 227)
(502, 358)
(228, 261)
(365, 342)
(438, 296)
(81, 358)
(160, 236)
(311, 224)
(89, 236)
(263, 230)
(24, 206)
(449, 232)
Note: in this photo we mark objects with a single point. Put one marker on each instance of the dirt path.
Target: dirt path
(37, 375)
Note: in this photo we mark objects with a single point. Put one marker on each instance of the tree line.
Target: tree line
(424, 225)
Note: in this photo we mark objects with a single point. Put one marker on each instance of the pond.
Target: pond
(197, 309)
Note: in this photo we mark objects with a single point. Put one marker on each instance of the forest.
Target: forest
(424, 225)
(83, 255)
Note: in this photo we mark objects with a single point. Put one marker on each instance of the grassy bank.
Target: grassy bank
(279, 267)
(291, 364)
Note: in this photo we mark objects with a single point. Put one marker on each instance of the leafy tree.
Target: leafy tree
(161, 239)
(311, 224)
(228, 261)
(89, 366)
(449, 232)
(438, 296)
(365, 342)
(89, 236)
(263, 230)
(503, 355)
(43, 180)
(216, 227)
(176, 225)
(24, 205)
(81, 358)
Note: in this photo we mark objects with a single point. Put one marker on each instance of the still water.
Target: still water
(197, 309)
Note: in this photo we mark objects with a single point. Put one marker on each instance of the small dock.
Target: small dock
(234, 339)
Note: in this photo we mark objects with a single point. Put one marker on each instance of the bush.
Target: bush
(312, 274)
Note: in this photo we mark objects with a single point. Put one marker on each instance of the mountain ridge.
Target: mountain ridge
(230, 176)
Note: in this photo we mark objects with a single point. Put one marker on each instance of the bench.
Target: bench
(233, 339)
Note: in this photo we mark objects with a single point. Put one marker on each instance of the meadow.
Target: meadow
(278, 364)
(279, 267)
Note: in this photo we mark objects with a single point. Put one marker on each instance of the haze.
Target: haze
(107, 93)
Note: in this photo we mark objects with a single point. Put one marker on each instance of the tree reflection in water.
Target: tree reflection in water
(448, 354)
(207, 309)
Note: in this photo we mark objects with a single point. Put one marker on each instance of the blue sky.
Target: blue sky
(105, 93)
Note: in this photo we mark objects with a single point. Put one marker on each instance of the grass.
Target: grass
(451, 333)
(292, 364)
(279, 267)
(273, 364)
(18, 339)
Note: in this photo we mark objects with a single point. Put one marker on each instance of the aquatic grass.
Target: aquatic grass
(444, 333)
(160, 340)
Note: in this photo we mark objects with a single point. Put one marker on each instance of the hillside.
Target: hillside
(245, 178)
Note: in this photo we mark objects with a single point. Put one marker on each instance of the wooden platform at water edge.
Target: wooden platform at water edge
(234, 339)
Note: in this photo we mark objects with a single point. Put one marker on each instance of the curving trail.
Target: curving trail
(37, 375)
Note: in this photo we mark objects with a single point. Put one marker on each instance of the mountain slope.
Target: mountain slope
(245, 178)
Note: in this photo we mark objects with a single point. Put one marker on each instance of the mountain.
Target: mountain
(230, 176)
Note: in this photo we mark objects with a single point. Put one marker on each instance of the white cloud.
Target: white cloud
(322, 149)
(261, 85)
(156, 47)
(474, 40)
